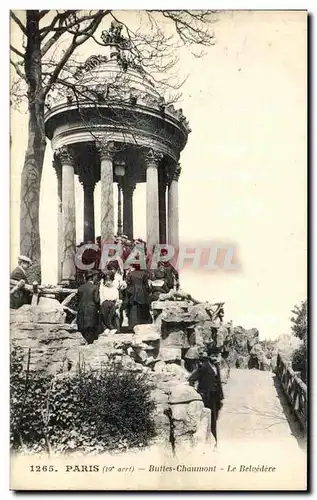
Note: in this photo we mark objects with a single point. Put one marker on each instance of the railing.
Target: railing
(41, 290)
(294, 389)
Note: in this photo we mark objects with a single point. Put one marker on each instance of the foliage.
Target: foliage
(299, 361)
(269, 347)
(299, 328)
(89, 411)
(299, 321)
(27, 399)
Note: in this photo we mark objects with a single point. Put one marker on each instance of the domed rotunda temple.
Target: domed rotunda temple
(112, 125)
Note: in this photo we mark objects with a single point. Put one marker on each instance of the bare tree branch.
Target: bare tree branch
(16, 51)
(77, 41)
(43, 13)
(18, 70)
(18, 22)
(67, 28)
(48, 29)
(192, 27)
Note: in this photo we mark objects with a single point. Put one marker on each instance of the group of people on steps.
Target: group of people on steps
(103, 300)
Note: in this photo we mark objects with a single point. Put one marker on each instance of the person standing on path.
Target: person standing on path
(207, 374)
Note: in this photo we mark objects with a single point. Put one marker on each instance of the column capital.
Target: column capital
(152, 158)
(106, 150)
(63, 155)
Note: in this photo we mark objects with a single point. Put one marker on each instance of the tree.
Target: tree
(46, 58)
(299, 328)
(299, 361)
(299, 321)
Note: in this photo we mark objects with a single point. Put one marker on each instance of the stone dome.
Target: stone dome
(99, 72)
(112, 98)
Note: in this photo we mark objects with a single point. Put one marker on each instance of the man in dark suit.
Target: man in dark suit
(138, 295)
(88, 309)
(19, 272)
(20, 296)
(209, 385)
(171, 275)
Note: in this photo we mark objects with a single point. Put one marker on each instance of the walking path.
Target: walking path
(254, 409)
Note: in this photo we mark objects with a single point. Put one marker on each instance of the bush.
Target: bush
(27, 400)
(89, 411)
(299, 362)
(299, 327)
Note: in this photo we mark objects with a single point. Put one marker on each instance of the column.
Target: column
(128, 189)
(152, 208)
(89, 213)
(162, 210)
(107, 152)
(173, 218)
(68, 214)
(119, 229)
(58, 171)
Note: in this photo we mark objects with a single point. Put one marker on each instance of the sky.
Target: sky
(244, 169)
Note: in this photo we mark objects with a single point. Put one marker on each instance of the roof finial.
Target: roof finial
(113, 38)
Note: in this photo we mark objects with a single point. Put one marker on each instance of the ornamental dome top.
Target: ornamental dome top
(114, 79)
(116, 75)
(120, 62)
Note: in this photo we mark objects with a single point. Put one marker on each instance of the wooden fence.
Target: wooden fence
(294, 389)
(65, 294)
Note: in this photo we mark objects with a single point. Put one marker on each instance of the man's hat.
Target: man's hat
(213, 350)
(23, 258)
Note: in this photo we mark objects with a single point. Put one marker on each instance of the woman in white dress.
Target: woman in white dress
(110, 301)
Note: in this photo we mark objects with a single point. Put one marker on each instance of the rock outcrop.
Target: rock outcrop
(179, 408)
(48, 311)
(42, 330)
(166, 351)
(239, 343)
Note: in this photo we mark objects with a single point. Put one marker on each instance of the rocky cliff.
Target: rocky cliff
(166, 351)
